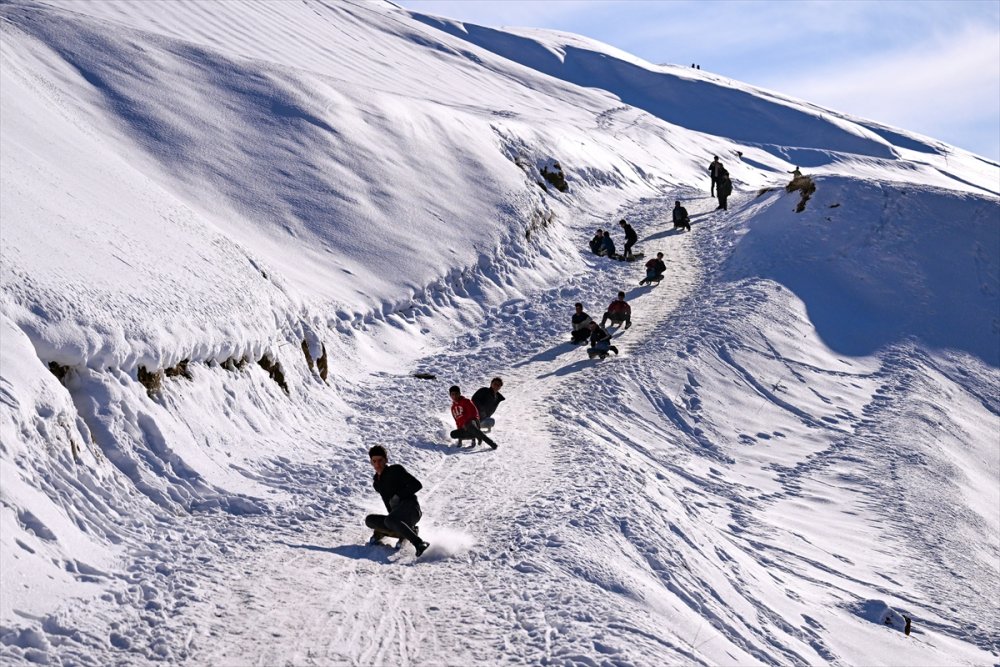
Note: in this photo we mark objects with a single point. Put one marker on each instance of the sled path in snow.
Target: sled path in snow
(488, 514)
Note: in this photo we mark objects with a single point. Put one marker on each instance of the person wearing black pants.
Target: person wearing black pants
(398, 489)
(630, 238)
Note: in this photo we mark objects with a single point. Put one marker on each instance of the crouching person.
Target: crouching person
(398, 489)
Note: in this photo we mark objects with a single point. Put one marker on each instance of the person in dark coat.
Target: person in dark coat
(725, 188)
(607, 245)
(581, 330)
(487, 400)
(398, 489)
(600, 342)
(655, 268)
(597, 242)
(715, 169)
(681, 219)
(630, 238)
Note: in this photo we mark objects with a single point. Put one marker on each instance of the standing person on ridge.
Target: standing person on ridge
(619, 311)
(398, 489)
(725, 188)
(681, 219)
(581, 330)
(630, 238)
(714, 171)
(487, 400)
(466, 419)
(655, 268)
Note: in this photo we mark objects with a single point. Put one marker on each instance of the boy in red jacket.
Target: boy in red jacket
(466, 419)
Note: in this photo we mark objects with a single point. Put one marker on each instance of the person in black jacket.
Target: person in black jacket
(630, 238)
(600, 342)
(487, 400)
(715, 169)
(681, 219)
(597, 242)
(581, 328)
(724, 189)
(398, 489)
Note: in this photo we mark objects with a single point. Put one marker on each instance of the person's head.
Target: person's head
(578, 306)
(495, 384)
(592, 324)
(621, 223)
(607, 233)
(659, 255)
(677, 203)
(379, 458)
(621, 296)
(715, 157)
(454, 392)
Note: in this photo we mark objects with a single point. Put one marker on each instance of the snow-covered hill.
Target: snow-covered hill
(230, 234)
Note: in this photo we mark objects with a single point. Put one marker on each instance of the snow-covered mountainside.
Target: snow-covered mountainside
(233, 234)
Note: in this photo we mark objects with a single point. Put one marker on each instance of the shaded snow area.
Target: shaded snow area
(234, 234)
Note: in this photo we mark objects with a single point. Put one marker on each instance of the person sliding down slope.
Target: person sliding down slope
(619, 311)
(581, 325)
(600, 342)
(487, 400)
(466, 418)
(655, 268)
(398, 489)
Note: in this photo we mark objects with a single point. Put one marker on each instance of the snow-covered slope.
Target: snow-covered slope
(230, 233)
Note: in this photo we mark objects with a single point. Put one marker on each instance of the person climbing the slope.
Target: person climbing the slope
(724, 188)
(655, 268)
(600, 342)
(581, 332)
(681, 219)
(398, 489)
(618, 311)
(630, 238)
(466, 419)
(487, 400)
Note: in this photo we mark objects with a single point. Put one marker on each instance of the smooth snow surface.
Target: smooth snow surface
(281, 211)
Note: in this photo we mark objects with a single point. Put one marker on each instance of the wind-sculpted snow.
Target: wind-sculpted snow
(232, 232)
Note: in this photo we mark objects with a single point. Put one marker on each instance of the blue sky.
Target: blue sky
(926, 66)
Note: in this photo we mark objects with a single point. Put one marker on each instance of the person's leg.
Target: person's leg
(486, 423)
(478, 433)
(402, 521)
(628, 321)
(605, 319)
(379, 530)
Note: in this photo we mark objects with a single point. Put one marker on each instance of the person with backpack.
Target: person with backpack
(398, 489)
(630, 238)
(681, 219)
(725, 188)
(619, 311)
(715, 169)
(466, 417)
(655, 268)
(581, 328)
(487, 400)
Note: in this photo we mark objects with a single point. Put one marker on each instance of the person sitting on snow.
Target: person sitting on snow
(681, 219)
(581, 330)
(466, 419)
(655, 268)
(600, 342)
(487, 400)
(597, 242)
(619, 311)
(607, 245)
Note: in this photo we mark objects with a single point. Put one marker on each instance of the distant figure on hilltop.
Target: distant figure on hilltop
(714, 169)
(630, 238)
(725, 188)
(795, 173)
(681, 219)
